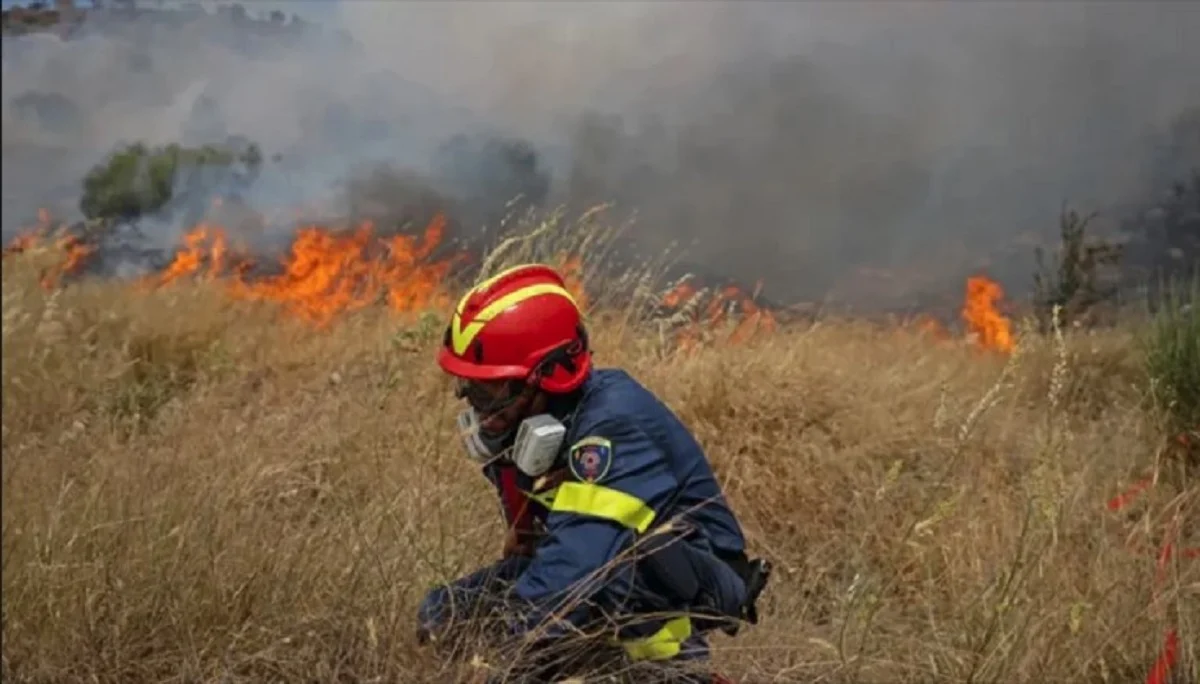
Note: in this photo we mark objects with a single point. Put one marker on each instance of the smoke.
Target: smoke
(803, 143)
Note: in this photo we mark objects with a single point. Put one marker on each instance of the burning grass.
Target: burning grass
(199, 486)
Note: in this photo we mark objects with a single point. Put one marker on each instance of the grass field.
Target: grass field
(198, 488)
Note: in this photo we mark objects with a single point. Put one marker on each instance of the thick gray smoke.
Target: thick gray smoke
(803, 143)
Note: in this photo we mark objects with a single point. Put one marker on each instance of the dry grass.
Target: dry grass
(197, 490)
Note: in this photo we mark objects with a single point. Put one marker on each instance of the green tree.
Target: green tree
(138, 180)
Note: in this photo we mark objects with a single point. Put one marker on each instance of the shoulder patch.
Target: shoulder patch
(590, 459)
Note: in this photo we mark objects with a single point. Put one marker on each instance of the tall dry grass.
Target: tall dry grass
(200, 490)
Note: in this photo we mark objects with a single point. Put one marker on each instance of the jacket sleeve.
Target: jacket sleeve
(618, 483)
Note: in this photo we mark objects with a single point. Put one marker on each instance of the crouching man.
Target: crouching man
(619, 533)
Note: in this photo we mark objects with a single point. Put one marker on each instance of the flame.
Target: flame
(195, 252)
(991, 329)
(328, 272)
(700, 317)
(22, 243)
(75, 251)
(325, 272)
(754, 320)
(679, 295)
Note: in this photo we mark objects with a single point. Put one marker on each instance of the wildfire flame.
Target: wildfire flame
(990, 328)
(327, 272)
(201, 244)
(324, 273)
(77, 253)
(702, 311)
(74, 249)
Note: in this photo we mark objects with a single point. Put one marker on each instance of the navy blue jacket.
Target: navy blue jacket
(631, 465)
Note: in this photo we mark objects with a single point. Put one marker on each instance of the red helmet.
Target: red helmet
(521, 324)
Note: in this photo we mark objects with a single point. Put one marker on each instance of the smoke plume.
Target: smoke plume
(808, 144)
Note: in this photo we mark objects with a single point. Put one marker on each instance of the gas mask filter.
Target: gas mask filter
(539, 439)
(536, 447)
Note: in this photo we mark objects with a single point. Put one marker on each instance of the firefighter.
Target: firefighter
(615, 518)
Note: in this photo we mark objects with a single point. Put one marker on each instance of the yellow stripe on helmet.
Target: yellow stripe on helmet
(462, 303)
(462, 336)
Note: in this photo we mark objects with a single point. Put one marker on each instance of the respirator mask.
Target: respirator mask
(532, 446)
(534, 449)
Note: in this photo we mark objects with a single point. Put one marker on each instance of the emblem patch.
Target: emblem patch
(590, 459)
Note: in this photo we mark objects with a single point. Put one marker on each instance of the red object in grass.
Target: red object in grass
(1166, 660)
(1126, 497)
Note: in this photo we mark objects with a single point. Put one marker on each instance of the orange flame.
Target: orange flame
(21, 243)
(195, 252)
(685, 299)
(679, 295)
(328, 272)
(73, 249)
(325, 273)
(76, 252)
(991, 329)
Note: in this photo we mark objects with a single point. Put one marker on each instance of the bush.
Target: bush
(1172, 357)
(138, 180)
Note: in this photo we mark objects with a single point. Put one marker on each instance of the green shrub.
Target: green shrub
(138, 180)
(1171, 348)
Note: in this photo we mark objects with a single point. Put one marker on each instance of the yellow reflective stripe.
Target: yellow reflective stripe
(632, 512)
(663, 644)
(462, 336)
(602, 502)
(462, 303)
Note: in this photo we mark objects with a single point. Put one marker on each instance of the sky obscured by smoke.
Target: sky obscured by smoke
(795, 142)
